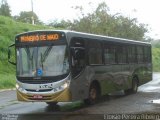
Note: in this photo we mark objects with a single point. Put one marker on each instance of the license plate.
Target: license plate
(37, 96)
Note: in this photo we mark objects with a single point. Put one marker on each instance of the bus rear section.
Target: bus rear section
(106, 65)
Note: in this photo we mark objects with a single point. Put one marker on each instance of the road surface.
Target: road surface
(147, 100)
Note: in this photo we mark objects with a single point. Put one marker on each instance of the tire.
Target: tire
(134, 88)
(53, 104)
(134, 85)
(94, 94)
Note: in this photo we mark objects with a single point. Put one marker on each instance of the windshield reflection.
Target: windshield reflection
(42, 61)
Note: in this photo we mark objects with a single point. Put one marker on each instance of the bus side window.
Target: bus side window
(147, 54)
(95, 53)
(132, 54)
(110, 54)
(140, 54)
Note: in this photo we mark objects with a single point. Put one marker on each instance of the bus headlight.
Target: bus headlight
(65, 85)
(17, 86)
(62, 87)
(20, 88)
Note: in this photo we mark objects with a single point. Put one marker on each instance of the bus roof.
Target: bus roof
(71, 34)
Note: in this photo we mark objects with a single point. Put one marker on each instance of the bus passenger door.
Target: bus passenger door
(78, 64)
(78, 61)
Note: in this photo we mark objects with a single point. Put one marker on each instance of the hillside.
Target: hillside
(8, 29)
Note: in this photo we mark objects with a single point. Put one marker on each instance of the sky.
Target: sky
(146, 11)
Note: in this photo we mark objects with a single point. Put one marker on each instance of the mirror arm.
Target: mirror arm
(9, 54)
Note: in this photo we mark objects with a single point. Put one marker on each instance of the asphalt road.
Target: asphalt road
(147, 100)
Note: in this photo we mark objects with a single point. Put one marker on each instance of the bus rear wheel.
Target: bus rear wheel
(134, 87)
(94, 94)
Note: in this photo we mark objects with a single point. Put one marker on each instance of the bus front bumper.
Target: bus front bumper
(62, 96)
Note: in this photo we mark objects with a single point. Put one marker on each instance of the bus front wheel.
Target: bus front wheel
(94, 94)
(52, 103)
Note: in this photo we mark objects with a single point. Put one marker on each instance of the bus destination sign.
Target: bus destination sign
(42, 37)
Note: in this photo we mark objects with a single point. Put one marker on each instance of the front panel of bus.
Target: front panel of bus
(42, 66)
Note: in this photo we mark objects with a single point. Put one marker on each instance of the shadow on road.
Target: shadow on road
(76, 106)
(69, 111)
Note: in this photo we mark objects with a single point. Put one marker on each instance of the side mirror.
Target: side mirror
(9, 54)
(11, 58)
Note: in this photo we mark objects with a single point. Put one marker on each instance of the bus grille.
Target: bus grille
(46, 90)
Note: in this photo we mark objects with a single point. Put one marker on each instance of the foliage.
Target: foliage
(26, 17)
(156, 43)
(99, 21)
(156, 55)
(5, 9)
(60, 24)
(156, 59)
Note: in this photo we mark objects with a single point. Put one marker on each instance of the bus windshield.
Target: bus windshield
(42, 61)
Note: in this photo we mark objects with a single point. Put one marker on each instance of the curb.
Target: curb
(3, 90)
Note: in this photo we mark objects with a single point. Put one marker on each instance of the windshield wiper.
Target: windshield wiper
(42, 61)
(46, 53)
(29, 54)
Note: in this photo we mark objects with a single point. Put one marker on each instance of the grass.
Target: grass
(7, 81)
(72, 106)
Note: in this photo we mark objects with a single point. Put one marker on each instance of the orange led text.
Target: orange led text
(34, 38)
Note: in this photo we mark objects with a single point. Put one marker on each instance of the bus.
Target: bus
(60, 66)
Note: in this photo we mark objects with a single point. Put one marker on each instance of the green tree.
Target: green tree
(99, 21)
(5, 9)
(62, 24)
(26, 17)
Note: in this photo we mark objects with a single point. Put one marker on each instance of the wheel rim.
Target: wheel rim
(93, 93)
(135, 87)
